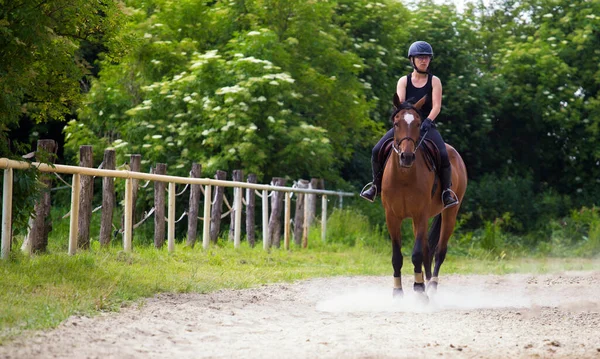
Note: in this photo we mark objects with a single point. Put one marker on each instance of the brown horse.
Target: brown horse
(407, 192)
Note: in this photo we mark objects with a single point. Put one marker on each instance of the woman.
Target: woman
(412, 88)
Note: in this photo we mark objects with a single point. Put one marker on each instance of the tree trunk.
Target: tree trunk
(299, 213)
(215, 216)
(108, 198)
(250, 211)
(275, 219)
(86, 159)
(195, 194)
(159, 207)
(39, 227)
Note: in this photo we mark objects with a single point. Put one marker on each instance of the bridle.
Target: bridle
(396, 146)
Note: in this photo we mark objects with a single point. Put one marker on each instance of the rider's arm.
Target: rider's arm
(436, 102)
(401, 89)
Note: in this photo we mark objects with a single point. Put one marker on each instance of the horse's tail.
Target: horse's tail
(434, 234)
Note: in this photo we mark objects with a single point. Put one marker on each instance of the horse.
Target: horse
(409, 191)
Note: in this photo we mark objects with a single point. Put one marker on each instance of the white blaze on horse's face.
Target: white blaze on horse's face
(408, 117)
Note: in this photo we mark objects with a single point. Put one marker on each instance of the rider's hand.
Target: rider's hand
(426, 125)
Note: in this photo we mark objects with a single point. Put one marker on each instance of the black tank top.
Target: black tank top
(414, 94)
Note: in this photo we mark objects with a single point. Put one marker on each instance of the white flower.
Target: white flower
(146, 145)
(156, 137)
(253, 33)
(147, 36)
(271, 119)
(230, 89)
(274, 83)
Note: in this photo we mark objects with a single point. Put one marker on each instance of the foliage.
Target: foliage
(40, 63)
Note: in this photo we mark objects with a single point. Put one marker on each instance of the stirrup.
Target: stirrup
(372, 185)
(454, 196)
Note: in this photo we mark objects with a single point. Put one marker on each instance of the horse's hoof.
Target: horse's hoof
(431, 288)
(398, 293)
(419, 287)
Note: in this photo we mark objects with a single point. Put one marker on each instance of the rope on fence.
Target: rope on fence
(148, 181)
(124, 166)
(180, 218)
(260, 194)
(223, 215)
(183, 190)
(60, 178)
(146, 215)
(99, 167)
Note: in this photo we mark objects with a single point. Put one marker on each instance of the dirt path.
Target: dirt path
(472, 316)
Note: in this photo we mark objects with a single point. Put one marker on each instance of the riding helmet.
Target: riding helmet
(420, 48)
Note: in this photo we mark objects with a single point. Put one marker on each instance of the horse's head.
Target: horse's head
(407, 123)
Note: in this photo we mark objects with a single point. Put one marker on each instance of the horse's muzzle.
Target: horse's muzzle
(407, 159)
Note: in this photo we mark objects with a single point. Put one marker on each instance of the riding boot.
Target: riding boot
(373, 190)
(449, 198)
(375, 187)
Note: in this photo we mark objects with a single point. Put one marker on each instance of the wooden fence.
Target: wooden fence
(81, 197)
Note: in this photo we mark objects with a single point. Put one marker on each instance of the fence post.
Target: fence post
(74, 221)
(194, 206)
(159, 207)
(312, 201)
(323, 217)
(275, 219)
(299, 215)
(286, 223)
(108, 199)
(39, 227)
(250, 214)
(236, 176)
(7, 212)
(171, 223)
(305, 224)
(206, 223)
(128, 216)
(215, 217)
(135, 165)
(265, 220)
(86, 159)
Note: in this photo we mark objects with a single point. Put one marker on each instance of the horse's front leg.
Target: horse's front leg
(420, 255)
(394, 226)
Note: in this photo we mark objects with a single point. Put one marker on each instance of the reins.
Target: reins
(396, 148)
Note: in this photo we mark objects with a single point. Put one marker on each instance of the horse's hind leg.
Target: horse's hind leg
(393, 225)
(448, 223)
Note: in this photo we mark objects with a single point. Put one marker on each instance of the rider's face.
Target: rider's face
(422, 62)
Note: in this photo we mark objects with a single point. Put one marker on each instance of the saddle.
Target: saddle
(430, 153)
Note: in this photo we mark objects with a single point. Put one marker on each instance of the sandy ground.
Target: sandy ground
(508, 316)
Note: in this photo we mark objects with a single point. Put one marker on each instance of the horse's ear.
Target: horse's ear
(396, 101)
(421, 102)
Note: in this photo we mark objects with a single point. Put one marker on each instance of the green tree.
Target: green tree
(41, 65)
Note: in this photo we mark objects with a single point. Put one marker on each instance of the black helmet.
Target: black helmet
(420, 48)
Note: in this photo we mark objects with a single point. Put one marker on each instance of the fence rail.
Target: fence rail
(10, 165)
